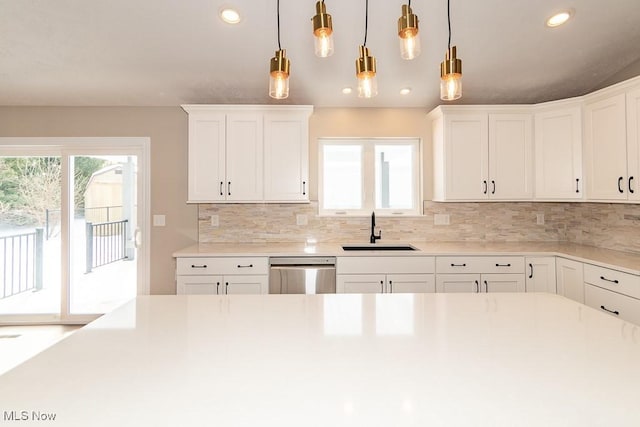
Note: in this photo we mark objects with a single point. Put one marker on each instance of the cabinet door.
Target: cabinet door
(558, 154)
(199, 285)
(633, 144)
(244, 157)
(606, 149)
(510, 157)
(360, 283)
(541, 274)
(570, 279)
(456, 283)
(286, 157)
(410, 283)
(246, 285)
(466, 156)
(206, 157)
(492, 283)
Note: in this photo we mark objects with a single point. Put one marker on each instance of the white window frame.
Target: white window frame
(368, 179)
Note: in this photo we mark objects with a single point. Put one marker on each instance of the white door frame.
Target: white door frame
(78, 146)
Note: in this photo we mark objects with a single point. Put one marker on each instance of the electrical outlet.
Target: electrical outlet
(540, 219)
(159, 220)
(441, 219)
(215, 221)
(301, 219)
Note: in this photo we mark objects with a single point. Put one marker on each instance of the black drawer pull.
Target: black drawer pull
(503, 265)
(493, 183)
(577, 181)
(616, 312)
(245, 266)
(199, 266)
(609, 280)
(484, 183)
(229, 188)
(221, 192)
(458, 265)
(631, 190)
(304, 188)
(531, 275)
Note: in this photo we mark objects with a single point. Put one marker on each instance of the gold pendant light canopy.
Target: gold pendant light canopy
(408, 33)
(322, 31)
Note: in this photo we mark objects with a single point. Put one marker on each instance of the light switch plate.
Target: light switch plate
(441, 219)
(301, 219)
(159, 220)
(215, 221)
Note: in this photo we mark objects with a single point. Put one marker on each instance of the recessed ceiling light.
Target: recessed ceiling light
(346, 90)
(230, 16)
(559, 18)
(405, 91)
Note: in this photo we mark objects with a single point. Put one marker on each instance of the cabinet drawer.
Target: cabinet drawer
(621, 306)
(480, 264)
(222, 265)
(385, 265)
(614, 280)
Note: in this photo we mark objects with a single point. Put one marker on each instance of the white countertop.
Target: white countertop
(338, 360)
(624, 261)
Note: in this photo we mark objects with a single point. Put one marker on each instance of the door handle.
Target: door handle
(229, 188)
(484, 183)
(458, 265)
(486, 287)
(477, 287)
(577, 186)
(391, 286)
(198, 266)
(304, 188)
(531, 271)
(245, 266)
(218, 288)
(616, 312)
(609, 280)
(493, 190)
(221, 191)
(226, 288)
(620, 185)
(630, 186)
(381, 286)
(504, 265)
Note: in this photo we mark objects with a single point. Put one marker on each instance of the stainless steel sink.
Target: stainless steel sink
(378, 247)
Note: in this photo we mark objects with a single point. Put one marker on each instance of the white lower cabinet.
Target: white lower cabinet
(478, 274)
(385, 274)
(613, 292)
(541, 274)
(479, 283)
(222, 276)
(570, 279)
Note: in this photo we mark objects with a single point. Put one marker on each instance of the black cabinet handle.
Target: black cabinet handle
(486, 287)
(609, 280)
(218, 288)
(226, 288)
(221, 184)
(485, 187)
(477, 287)
(381, 286)
(620, 185)
(458, 265)
(504, 265)
(577, 186)
(630, 186)
(304, 188)
(493, 190)
(229, 187)
(245, 266)
(391, 286)
(616, 312)
(198, 266)
(531, 269)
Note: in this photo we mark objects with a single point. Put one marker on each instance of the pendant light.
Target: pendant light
(322, 31)
(366, 65)
(408, 33)
(450, 70)
(279, 69)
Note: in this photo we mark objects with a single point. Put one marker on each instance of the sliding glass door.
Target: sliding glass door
(71, 228)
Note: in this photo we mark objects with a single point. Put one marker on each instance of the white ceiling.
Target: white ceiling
(172, 52)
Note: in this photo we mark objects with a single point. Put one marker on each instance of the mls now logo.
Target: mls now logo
(28, 416)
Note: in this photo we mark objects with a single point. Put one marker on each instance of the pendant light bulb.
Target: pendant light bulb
(366, 74)
(322, 31)
(279, 75)
(408, 33)
(451, 76)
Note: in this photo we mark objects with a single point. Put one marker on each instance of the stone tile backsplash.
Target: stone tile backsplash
(611, 226)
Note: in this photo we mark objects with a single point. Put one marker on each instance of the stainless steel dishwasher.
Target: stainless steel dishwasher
(302, 275)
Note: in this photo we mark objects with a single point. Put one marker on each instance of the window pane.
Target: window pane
(342, 177)
(394, 176)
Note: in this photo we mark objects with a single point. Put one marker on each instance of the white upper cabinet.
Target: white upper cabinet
(248, 153)
(510, 157)
(633, 144)
(286, 157)
(606, 148)
(558, 154)
(481, 156)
